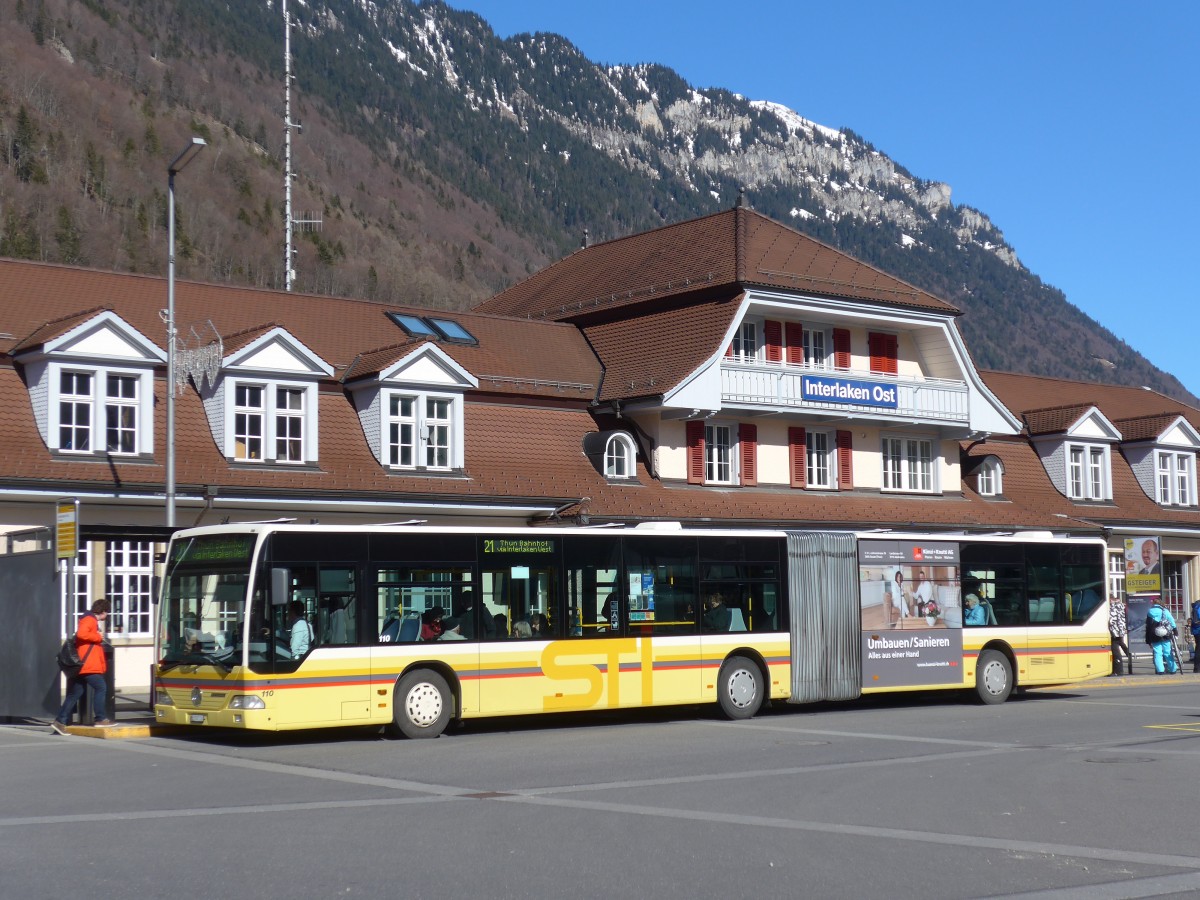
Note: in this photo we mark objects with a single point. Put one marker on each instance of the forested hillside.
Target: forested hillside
(444, 164)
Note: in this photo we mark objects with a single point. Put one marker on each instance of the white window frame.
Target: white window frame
(745, 342)
(134, 413)
(129, 578)
(820, 460)
(818, 347)
(906, 467)
(400, 430)
(1175, 476)
(989, 480)
(77, 598)
(76, 399)
(436, 432)
(274, 412)
(245, 414)
(720, 453)
(121, 413)
(431, 435)
(290, 413)
(1088, 471)
(620, 457)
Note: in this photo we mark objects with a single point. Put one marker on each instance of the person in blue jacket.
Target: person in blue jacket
(1164, 659)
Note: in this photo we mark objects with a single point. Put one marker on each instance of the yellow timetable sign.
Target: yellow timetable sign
(66, 528)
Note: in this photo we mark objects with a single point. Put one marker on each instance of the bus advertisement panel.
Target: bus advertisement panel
(911, 613)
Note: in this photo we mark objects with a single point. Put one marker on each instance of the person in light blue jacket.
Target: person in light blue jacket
(1164, 659)
(975, 613)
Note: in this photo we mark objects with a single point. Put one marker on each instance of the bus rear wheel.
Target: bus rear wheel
(423, 704)
(993, 677)
(740, 688)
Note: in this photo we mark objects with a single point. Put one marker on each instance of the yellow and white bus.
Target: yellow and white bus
(281, 626)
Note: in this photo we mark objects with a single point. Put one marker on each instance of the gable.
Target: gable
(278, 351)
(1182, 435)
(106, 337)
(429, 365)
(1094, 426)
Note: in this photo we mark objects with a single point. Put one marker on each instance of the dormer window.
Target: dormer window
(263, 407)
(421, 430)
(619, 456)
(1175, 476)
(91, 383)
(989, 480)
(412, 410)
(269, 421)
(1087, 472)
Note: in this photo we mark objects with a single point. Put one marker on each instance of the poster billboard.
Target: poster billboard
(1143, 565)
(911, 613)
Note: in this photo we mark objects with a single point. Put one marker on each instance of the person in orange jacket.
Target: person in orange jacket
(89, 640)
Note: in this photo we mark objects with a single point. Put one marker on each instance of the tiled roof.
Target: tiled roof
(1053, 421)
(1026, 482)
(1145, 428)
(1023, 393)
(48, 331)
(42, 301)
(647, 354)
(732, 250)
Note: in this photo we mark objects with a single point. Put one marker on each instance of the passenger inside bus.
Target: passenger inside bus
(976, 612)
(431, 623)
(539, 626)
(716, 615)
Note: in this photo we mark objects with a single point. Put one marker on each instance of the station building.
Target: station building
(725, 370)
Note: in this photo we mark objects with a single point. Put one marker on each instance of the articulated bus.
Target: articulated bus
(280, 626)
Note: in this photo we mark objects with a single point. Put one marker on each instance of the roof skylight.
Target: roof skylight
(437, 328)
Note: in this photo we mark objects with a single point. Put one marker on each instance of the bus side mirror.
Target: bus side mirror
(281, 584)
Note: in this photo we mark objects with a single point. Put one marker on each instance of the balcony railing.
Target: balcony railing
(933, 400)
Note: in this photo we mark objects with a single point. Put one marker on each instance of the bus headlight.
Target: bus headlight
(162, 698)
(247, 701)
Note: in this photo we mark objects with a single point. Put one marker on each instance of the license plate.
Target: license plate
(196, 718)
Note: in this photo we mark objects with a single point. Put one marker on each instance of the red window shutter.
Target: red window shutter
(748, 443)
(845, 458)
(773, 337)
(729, 349)
(841, 348)
(793, 333)
(884, 352)
(798, 454)
(695, 452)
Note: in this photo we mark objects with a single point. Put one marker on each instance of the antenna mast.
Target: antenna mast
(290, 222)
(289, 258)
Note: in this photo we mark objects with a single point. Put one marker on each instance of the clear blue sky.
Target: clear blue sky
(1073, 126)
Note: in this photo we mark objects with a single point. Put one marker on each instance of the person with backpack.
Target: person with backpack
(1160, 628)
(89, 644)
(1194, 625)
(1118, 630)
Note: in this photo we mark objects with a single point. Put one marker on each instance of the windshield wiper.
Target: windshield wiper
(189, 659)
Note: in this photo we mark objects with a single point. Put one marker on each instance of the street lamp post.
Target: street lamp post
(186, 155)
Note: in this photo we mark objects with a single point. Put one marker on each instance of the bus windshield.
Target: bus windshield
(202, 617)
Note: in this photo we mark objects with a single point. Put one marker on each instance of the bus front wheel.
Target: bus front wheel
(740, 688)
(424, 704)
(993, 677)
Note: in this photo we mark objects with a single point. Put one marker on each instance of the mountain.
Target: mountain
(442, 164)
